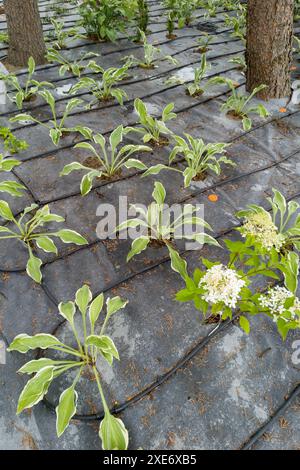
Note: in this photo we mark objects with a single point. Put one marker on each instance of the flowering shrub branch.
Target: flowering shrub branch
(266, 250)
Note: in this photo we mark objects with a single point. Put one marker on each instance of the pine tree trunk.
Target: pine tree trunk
(25, 32)
(269, 46)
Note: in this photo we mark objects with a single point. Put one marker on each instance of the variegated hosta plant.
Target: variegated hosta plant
(84, 355)
(110, 158)
(56, 125)
(104, 89)
(11, 187)
(61, 36)
(76, 67)
(29, 90)
(155, 224)
(266, 251)
(27, 228)
(198, 158)
(238, 105)
(154, 131)
(152, 55)
(197, 88)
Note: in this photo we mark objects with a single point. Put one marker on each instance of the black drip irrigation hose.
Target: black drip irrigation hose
(192, 196)
(128, 83)
(282, 408)
(159, 381)
(125, 83)
(164, 377)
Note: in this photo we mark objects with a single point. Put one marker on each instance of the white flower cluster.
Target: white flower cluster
(260, 226)
(222, 285)
(275, 299)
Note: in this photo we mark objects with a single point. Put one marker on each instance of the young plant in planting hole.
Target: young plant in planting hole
(171, 25)
(198, 158)
(153, 129)
(24, 228)
(104, 89)
(56, 126)
(75, 358)
(110, 159)
(29, 91)
(197, 88)
(203, 43)
(152, 55)
(240, 61)
(238, 23)
(11, 187)
(156, 226)
(210, 6)
(11, 143)
(76, 67)
(238, 105)
(61, 36)
(142, 18)
(184, 10)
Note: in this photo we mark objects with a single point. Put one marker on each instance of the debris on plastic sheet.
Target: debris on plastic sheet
(64, 90)
(3, 90)
(2, 353)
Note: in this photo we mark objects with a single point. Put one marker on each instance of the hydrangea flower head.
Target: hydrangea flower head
(275, 300)
(222, 284)
(260, 226)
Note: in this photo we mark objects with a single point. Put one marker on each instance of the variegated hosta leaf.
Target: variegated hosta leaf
(35, 389)
(23, 342)
(66, 409)
(113, 433)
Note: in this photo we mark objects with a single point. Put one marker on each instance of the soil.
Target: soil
(234, 115)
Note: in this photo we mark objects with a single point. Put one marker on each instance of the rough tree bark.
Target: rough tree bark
(25, 32)
(269, 46)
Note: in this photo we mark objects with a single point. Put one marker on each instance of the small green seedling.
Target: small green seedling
(56, 126)
(156, 226)
(203, 43)
(142, 18)
(153, 130)
(238, 105)
(26, 232)
(31, 88)
(76, 67)
(61, 36)
(240, 62)
(105, 89)
(11, 143)
(199, 157)
(110, 160)
(152, 55)
(197, 88)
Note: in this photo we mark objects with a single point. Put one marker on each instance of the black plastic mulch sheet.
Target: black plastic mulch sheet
(180, 383)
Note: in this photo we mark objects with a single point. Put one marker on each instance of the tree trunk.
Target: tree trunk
(25, 32)
(269, 46)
